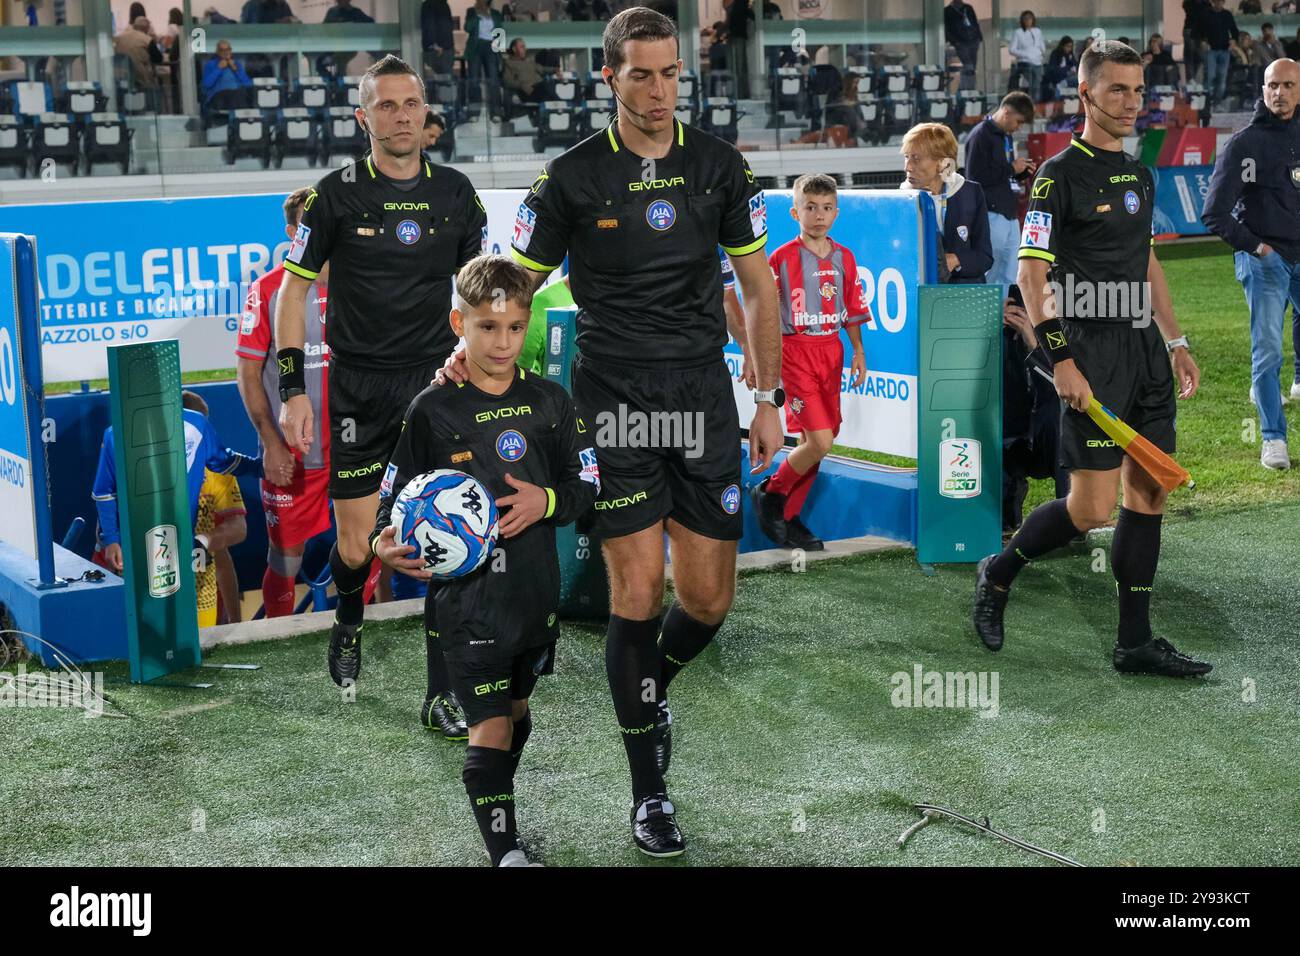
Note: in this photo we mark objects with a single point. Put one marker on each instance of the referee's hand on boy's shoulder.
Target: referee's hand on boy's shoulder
(454, 369)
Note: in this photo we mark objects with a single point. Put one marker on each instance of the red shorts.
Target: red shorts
(811, 369)
(298, 511)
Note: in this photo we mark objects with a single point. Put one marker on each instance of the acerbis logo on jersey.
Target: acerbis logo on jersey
(758, 214)
(1038, 230)
(661, 215)
(525, 220)
(511, 445)
(299, 244)
(408, 231)
(959, 468)
(1131, 202)
(731, 499)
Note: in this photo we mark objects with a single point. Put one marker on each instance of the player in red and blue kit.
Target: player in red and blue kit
(817, 279)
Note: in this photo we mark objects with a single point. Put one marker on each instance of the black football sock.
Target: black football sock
(439, 679)
(1047, 528)
(489, 781)
(682, 640)
(1134, 554)
(523, 728)
(633, 665)
(351, 585)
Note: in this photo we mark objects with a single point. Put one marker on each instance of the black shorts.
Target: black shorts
(684, 465)
(1129, 372)
(485, 683)
(366, 410)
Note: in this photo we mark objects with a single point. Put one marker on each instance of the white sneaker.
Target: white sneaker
(1295, 390)
(1274, 454)
(1252, 396)
(516, 858)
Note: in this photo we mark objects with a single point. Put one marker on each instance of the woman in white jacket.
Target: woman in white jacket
(1027, 50)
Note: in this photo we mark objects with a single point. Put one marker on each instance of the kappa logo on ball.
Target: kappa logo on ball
(408, 231)
(731, 499)
(511, 445)
(1131, 201)
(661, 215)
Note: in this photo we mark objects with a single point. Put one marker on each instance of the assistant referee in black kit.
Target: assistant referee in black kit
(1092, 285)
(395, 229)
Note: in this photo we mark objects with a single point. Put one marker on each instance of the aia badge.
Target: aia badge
(1131, 202)
(661, 215)
(731, 499)
(408, 231)
(511, 445)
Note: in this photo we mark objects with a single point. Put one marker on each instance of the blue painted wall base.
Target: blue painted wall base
(85, 621)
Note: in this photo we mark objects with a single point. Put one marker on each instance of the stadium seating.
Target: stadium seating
(248, 133)
(600, 101)
(106, 139)
(721, 117)
(297, 133)
(559, 123)
(341, 135)
(81, 98)
(310, 92)
(15, 143)
(57, 137)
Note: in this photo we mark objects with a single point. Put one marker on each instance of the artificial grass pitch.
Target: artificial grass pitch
(788, 746)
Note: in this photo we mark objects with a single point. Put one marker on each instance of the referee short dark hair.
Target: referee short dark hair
(1018, 101)
(634, 23)
(1103, 52)
(492, 279)
(390, 65)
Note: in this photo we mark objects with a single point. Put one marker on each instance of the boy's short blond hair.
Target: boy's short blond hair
(492, 279)
(933, 139)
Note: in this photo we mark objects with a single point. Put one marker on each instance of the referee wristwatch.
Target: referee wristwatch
(288, 393)
(773, 396)
(1178, 343)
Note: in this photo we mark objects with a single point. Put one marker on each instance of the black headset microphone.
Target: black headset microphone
(621, 104)
(1093, 103)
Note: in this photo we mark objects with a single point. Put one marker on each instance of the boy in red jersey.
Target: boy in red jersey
(817, 279)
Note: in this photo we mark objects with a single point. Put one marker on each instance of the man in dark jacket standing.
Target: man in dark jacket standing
(1253, 204)
(991, 162)
(739, 17)
(961, 28)
(1220, 32)
(436, 35)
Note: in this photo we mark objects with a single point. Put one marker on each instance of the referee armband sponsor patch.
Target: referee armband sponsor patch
(525, 221)
(758, 214)
(1037, 233)
(299, 244)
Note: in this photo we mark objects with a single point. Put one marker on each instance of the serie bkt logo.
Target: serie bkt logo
(959, 468)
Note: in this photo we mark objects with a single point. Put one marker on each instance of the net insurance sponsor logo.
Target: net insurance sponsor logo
(959, 468)
(75, 909)
(164, 562)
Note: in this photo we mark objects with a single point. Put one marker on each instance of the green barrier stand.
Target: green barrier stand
(959, 427)
(584, 586)
(153, 507)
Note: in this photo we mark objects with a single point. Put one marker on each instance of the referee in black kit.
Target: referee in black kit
(1092, 285)
(640, 208)
(395, 229)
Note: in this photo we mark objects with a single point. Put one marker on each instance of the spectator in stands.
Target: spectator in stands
(1194, 38)
(481, 59)
(1220, 33)
(140, 46)
(739, 18)
(225, 84)
(1270, 47)
(1027, 51)
(930, 162)
(718, 48)
(212, 16)
(961, 28)
(582, 10)
(1158, 63)
(1061, 65)
(267, 11)
(436, 36)
(521, 75)
(135, 10)
(1247, 54)
(1249, 7)
(992, 164)
(435, 124)
(1285, 6)
(1293, 46)
(1031, 414)
(1259, 216)
(344, 12)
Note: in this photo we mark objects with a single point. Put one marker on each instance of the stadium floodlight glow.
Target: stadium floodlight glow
(930, 813)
